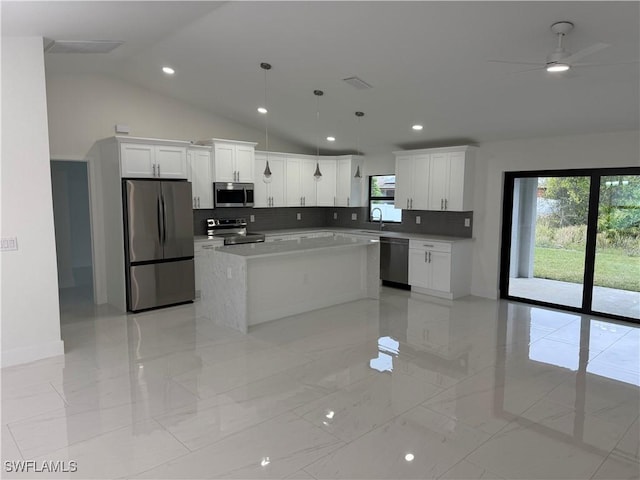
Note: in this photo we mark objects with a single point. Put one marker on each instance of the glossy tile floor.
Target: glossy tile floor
(403, 387)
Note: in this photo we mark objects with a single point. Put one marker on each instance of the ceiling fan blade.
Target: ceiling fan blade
(527, 70)
(516, 63)
(596, 47)
(584, 65)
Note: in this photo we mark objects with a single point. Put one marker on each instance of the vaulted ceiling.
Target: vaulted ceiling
(426, 61)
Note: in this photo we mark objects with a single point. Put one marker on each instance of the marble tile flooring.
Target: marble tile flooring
(401, 387)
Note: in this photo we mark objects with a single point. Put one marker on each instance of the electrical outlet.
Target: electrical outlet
(298, 216)
(467, 222)
(418, 219)
(354, 216)
(252, 218)
(335, 215)
(9, 244)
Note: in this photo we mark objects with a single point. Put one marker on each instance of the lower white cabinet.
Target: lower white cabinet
(441, 269)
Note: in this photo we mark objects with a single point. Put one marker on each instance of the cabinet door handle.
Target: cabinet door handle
(158, 169)
(445, 204)
(272, 201)
(429, 257)
(426, 257)
(407, 204)
(304, 201)
(198, 202)
(412, 204)
(194, 202)
(334, 201)
(347, 201)
(154, 169)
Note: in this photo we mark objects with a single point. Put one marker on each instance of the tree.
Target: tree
(375, 188)
(572, 195)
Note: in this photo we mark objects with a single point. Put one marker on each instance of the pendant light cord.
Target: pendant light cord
(318, 128)
(266, 118)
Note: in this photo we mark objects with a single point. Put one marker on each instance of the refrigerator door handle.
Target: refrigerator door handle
(160, 220)
(164, 221)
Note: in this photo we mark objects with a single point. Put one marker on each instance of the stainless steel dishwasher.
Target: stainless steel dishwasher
(394, 261)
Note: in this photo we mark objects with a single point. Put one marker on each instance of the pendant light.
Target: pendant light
(359, 116)
(318, 174)
(266, 175)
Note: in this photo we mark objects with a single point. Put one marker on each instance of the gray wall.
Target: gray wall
(435, 223)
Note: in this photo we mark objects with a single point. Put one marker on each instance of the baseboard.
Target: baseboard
(18, 356)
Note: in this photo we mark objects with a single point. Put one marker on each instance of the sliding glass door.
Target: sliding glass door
(572, 239)
(616, 280)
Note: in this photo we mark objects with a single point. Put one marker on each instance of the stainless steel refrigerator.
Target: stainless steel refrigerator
(158, 243)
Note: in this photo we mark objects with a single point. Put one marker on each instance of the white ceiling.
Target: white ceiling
(427, 62)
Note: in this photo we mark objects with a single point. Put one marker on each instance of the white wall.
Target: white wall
(30, 312)
(598, 150)
(85, 108)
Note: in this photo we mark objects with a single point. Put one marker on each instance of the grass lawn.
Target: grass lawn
(614, 269)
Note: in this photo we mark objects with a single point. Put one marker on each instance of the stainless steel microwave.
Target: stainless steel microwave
(231, 194)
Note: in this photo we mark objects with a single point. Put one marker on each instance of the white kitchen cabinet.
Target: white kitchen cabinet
(271, 192)
(300, 183)
(326, 185)
(148, 160)
(440, 268)
(348, 186)
(201, 176)
(435, 179)
(412, 178)
(233, 161)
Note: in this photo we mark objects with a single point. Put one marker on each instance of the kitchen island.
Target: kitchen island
(245, 285)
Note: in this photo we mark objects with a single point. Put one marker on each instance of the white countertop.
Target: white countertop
(286, 247)
(354, 231)
(372, 232)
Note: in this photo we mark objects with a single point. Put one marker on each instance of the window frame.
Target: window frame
(370, 197)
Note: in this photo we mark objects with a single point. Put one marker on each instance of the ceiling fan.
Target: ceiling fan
(561, 60)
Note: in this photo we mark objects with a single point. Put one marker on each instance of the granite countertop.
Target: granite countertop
(372, 232)
(354, 231)
(271, 249)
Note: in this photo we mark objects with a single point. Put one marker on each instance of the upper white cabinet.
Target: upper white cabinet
(435, 179)
(348, 186)
(326, 185)
(149, 160)
(269, 192)
(233, 161)
(201, 176)
(300, 182)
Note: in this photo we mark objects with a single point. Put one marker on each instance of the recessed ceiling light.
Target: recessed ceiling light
(409, 457)
(417, 127)
(557, 67)
(331, 139)
(168, 70)
(262, 110)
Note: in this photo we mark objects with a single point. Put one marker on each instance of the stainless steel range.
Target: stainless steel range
(232, 230)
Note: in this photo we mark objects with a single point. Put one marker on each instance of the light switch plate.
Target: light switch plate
(354, 216)
(298, 216)
(467, 222)
(9, 244)
(418, 219)
(252, 218)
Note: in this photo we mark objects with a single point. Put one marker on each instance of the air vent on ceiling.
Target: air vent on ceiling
(82, 46)
(357, 83)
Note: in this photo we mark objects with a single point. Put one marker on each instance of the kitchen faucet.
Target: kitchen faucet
(379, 210)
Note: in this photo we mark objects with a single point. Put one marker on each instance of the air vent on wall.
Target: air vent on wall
(357, 83)
(82, 46)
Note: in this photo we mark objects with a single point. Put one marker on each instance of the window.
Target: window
(382, 189)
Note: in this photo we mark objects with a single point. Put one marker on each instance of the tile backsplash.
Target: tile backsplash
(431, 222)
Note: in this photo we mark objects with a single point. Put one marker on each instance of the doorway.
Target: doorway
(571, 239)
(70, 190)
